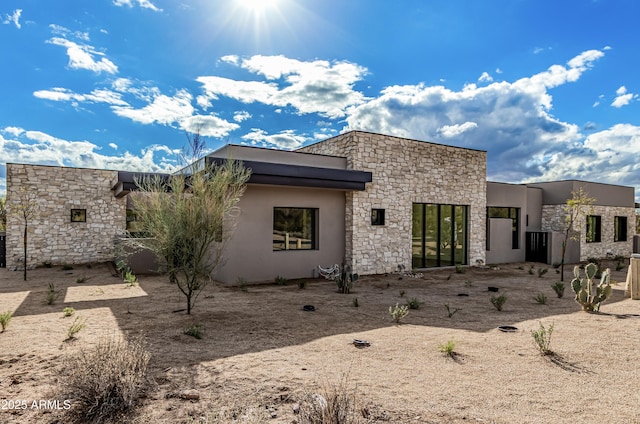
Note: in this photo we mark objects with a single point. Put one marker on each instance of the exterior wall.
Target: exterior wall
(557, 193)
(236, 152)
(533, 217)
(500, 248)
(553, 220)
(405, 172)
(249, 252)
(52, 236)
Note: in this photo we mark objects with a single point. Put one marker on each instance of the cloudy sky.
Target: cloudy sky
(549, 89)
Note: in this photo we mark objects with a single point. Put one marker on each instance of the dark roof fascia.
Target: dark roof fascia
(127, 181)
(303, 176)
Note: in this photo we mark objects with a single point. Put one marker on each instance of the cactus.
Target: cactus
(345, 280)
(588, 294)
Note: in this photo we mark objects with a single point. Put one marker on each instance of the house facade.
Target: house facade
(369, 200)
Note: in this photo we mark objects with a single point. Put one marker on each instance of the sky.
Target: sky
(550, 89)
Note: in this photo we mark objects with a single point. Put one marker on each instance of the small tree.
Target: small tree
(3, 213)
(188, 218)
(25, 208)
(575, 207)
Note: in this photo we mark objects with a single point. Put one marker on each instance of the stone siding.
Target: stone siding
(553, 219)
(52, 237)
(405, 172)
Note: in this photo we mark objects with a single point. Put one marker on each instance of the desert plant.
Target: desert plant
(335, 404)
(25, 208)
(414, 303)
(67, 267)
(520, 267)
(558, 288)
(579, 204)
(402, 293)
(448, 348)
(541, 272)
(541, 298)
(450, 312)
(588, 294)
(460, 269)
(398, 312)
(542, 338)
(68, 311)
(302, 284)
(498, 301)
(194, 330)
(81, 280)
(52, 294)
(78, 324)
(345, 280)
(5, 317)
(47, 264)
(355, 303)
(468, 283)
(280, 280)
(130, 278)
(531, 268)
(619, 261)
(106, 381)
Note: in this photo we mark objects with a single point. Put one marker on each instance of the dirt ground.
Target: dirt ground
(261, 353)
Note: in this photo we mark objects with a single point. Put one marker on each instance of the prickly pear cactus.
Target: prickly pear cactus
(588, 293)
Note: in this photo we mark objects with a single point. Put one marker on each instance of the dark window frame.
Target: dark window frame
(312, 230)
(620, 228)
(78, 215)
(440, 233)
(377, 216)
(593, 231)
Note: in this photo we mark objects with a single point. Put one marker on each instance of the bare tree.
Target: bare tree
(576, 207)
(189, 218)
(25, 208)
(3, 213)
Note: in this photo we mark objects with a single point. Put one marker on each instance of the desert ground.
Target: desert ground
(261, 354)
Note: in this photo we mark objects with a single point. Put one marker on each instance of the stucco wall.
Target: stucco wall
(405, 172)
(553, 220)
(52, 236)
(501, 245)
(249, 253)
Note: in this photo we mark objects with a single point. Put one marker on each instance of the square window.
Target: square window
(377, 216)
(295, 229)
(78, 215)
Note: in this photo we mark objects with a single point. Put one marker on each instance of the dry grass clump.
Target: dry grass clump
(335, 404)
(106, 381)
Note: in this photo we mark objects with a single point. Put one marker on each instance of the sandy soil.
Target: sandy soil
(261, 352)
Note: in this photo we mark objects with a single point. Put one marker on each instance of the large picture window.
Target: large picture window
(593, 228)
(295, 229)
(439, 235)
(508, 213)
(620, 228)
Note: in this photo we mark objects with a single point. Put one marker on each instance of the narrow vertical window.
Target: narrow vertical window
(620, 228)
(593, 229)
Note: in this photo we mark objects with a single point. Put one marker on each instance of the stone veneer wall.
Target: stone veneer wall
(553, 217)
(52, 236)
(405, 172)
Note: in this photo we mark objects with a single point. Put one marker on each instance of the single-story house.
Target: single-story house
(369, 200)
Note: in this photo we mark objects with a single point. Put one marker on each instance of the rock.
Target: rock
(189, 395)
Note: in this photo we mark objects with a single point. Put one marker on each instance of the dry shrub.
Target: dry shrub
(335, 404)
(105, 381)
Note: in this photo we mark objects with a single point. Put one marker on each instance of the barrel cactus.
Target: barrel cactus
(588, 293)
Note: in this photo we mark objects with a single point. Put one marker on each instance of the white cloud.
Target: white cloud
(449, 131)
(82, 56)
(622, 97)
(162, 110)
(241, 115)
(485, 77)
(208, 125)
(114, 146)
(13, 18)
(145, 4)
(287, 140)
(317, 86)
(96, 96)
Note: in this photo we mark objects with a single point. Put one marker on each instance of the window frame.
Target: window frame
(378, 216)
(593, 229)
(313, 230)
(620, 228)
(78, 215)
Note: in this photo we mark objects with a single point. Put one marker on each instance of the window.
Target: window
(78, 215)
(377, 216)
(508, 213)
(620, 228)
(295, 229)
(593, 228)
(439, 235)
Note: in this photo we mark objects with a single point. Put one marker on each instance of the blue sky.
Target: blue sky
(548, 88)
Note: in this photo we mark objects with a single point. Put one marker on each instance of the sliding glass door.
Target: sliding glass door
(438, 235)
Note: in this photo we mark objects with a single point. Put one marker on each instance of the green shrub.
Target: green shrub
(468, 283)
(81, 280)
(450, 312)
(498, 301)
(5, 317)
(302, 284)
(281, 281)
(398, 312)
(107, 380)
(542, 339)
(558, 288)
(52, 294)
(460, 269)
(335, 404)
(130, 278)
(66, 267)
(541, 272)
(194, 330)
(68, 311)
(531, 270)
(414, 303)
(541, 298)
(78, 324)
(448, 348)
(402, 293)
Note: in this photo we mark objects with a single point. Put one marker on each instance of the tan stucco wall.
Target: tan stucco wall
(405, 172)
(500, 244)
(52, 236)
(249, 253)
